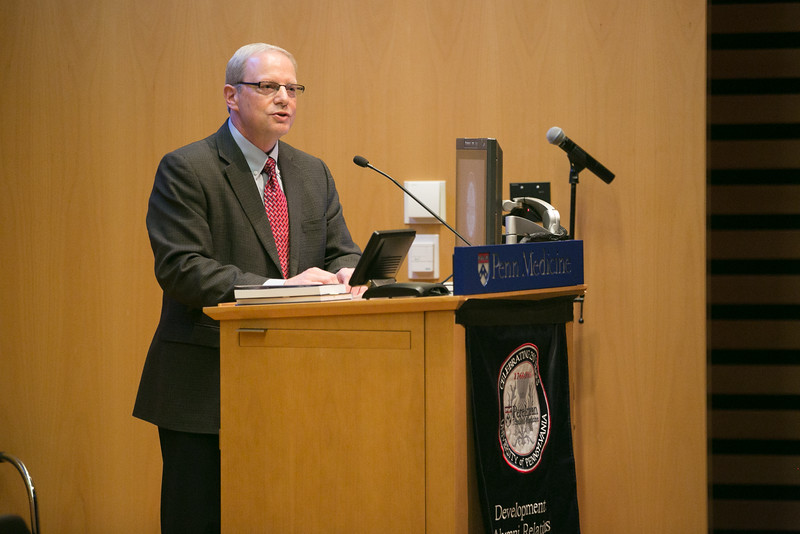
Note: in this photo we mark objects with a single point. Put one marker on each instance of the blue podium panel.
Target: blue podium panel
(517, 267)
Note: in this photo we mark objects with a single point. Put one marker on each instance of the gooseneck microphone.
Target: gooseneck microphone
(578, 157)
(361, 161)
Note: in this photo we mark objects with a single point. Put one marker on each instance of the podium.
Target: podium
(349, 416)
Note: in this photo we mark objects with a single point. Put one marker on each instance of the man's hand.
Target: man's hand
(313, 276)
(343, 277)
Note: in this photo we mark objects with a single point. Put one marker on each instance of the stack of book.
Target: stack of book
(287, 294)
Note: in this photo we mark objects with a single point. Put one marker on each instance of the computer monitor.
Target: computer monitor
(479, 183)
(382, 257)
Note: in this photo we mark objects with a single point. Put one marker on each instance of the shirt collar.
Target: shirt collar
(256, 158)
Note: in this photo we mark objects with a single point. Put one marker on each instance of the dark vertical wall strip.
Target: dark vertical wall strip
(754, 266)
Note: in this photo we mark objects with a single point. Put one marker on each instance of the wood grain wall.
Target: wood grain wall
(95, 92)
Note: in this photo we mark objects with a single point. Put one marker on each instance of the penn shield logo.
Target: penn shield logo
(525, 411)
(483, 268)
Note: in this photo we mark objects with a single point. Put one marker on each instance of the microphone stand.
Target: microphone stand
(576, 165)
(573, 181)
(578, 160)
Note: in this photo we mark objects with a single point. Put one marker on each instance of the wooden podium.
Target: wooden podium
(349, 416)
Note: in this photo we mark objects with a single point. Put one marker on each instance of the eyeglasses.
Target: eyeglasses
(271, 88)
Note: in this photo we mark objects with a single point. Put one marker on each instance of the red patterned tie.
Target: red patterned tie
(278, 215)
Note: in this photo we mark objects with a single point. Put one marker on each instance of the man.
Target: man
(211, 226)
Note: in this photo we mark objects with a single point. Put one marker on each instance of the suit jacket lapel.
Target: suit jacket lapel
(238, 174)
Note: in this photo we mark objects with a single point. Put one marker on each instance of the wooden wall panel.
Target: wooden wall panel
(95, 92)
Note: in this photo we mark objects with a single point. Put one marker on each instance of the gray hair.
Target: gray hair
(236, 64)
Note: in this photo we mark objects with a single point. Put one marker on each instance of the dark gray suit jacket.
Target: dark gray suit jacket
(209, 231)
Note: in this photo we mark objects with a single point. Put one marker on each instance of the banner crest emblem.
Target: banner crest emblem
(525, 412)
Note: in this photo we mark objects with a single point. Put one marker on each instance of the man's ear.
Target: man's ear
(231, 97)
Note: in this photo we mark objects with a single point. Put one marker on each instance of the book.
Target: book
(289, 300)
(261, 292)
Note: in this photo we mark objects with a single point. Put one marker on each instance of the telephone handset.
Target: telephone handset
(525, 212)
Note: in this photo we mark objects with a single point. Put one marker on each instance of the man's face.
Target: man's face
(263, 119)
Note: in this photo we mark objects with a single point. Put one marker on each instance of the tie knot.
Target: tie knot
(270, 167)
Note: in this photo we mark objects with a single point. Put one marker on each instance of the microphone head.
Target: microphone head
(361, 161)
(555, 135)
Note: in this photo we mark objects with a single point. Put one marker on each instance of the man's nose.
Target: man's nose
(282, 94)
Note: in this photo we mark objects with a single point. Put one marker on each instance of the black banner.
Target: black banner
(517, 353)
